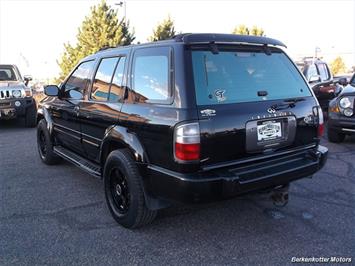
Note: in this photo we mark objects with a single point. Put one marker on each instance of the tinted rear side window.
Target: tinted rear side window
(150, 75)
(101, 87)
(235, 77)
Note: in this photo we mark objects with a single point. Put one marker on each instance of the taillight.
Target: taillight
(320, 122)
(187, 142)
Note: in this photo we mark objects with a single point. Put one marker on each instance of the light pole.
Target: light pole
(123, 4)
(316, 51)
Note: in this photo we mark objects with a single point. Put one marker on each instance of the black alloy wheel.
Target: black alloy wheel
(119, 191)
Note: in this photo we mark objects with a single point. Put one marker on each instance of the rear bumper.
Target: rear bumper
(234, 180)
(8, 109)
(341, 123)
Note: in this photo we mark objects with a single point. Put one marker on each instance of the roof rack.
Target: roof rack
(105, 48)
(194, 38)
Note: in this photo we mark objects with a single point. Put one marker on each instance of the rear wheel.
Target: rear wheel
(45, 145)
(335, 136)
(31, 116)
(124, 191)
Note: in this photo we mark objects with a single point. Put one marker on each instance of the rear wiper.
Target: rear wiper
(294, 100)
(288, 103)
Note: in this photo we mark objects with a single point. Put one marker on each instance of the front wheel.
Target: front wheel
(335, 136)
(45, 145)
(124, 191)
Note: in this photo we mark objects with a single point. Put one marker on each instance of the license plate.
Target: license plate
(6, 112)
(269, 130)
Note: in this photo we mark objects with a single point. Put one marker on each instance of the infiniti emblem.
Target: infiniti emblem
(271, 110)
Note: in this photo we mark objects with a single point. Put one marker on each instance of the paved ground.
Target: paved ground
(57, 215)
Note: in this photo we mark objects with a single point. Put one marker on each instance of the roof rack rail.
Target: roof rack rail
(105, 48)
(195, 38)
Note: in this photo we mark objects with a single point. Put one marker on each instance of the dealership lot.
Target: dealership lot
(57, 215)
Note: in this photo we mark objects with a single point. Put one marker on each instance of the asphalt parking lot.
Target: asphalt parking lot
(57, 215)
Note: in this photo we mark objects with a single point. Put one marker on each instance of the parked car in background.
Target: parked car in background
(200, 117)
(320, 78)
(343, 79)
(341, 119)
(16, 99)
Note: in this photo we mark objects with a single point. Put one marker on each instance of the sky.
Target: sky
(32, 33)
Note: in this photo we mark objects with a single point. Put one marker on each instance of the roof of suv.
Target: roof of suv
(190, 38)
(200, 38)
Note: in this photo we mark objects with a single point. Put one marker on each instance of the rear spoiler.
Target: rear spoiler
(200, 38)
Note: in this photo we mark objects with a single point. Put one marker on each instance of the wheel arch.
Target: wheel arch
(118, 137)
(42, 113)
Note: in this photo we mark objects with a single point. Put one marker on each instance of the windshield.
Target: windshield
(7, 73)
(235, 77)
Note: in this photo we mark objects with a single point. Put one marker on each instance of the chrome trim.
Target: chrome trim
(77, 132)
(91, 143)
(67, 128)
(99, 140)
(7, 93)
(67, 133)
(348, 129)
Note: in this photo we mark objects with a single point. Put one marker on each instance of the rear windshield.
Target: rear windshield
(236, 77)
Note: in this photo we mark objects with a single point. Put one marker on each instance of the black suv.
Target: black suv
(199, 117)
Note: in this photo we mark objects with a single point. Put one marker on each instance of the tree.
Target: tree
(164, 30)
(244, 30)
(337, 66)
(98, 30)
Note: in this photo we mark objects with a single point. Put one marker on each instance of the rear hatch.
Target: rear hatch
(251, 100)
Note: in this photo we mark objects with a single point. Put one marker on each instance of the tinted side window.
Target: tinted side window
(116, 91)
(323, 72)
(101, 87)
(150, 75)
(79, 80)
(312, 71)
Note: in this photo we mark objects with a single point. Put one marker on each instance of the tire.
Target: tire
(45, 145)
(334, 136)
(124, 191)
(31, 116)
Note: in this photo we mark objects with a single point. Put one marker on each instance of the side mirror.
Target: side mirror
(51, 90)
(338, 90)
(343, 81)
(27, 79)
(313, 78)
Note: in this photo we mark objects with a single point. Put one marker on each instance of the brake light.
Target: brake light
(187, 142)
(320, 122)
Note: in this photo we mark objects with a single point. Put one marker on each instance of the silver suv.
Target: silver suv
(16, 99)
